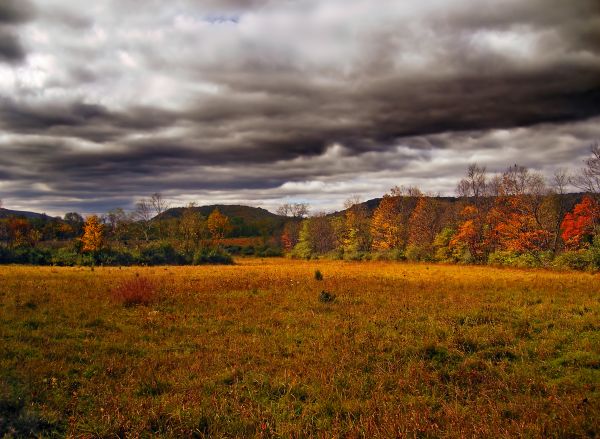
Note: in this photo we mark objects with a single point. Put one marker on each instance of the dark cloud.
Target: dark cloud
(264, 100)
(11, 49)
(15, 11)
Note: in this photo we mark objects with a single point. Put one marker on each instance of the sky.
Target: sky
(263, 102)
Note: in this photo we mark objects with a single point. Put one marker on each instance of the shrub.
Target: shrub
(513, 259)
(318, 275)
(135, 291)
(326, 297)
(212, 256)
(65, 257)
(574, 260)
(161, 254)
(417, 253)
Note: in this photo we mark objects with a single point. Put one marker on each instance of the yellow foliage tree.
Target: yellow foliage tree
(218, 225)
(93, 234)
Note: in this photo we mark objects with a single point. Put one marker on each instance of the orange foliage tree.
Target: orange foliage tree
(580, 223)
(218, 225)
(93, 234)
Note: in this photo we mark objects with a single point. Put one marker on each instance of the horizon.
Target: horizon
(262, 103)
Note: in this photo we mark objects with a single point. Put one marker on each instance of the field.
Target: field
(264, 348)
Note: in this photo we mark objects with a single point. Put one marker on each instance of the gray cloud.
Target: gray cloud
(264, 101)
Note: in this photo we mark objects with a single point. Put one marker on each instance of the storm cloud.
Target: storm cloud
(261, 102)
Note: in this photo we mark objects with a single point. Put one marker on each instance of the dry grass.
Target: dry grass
(250, 350)
(135, 291)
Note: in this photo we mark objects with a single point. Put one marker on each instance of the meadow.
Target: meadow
(268, 348)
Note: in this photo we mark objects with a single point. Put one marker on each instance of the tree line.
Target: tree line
(515, 218)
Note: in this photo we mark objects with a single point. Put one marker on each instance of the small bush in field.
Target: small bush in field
(135, 291)
(326, 297)
(318, 275)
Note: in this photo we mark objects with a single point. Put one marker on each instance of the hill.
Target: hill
(247, 213)
(5, 213)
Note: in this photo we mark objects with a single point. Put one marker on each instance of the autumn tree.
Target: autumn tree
(389, 224)
(355, 233)
(518, 221)
(322, 234)
(93, 235)
(21, 233)
(289, 235)
(579, 225)
(191, 228)
(218, 225)
(425, 222)
(303, 248)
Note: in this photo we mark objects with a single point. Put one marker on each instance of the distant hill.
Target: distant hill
(5, 213)
(247, 213)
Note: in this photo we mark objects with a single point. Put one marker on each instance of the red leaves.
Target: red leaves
(580, 222)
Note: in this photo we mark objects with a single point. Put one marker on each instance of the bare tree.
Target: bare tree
(474, 185)
(560, 183)
(296, 210)
(159, 204)
(143, 214)
(588, 179)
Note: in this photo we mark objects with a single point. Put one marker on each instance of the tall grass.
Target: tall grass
(251, 351)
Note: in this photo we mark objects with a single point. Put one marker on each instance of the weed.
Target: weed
(326, 297)
(135, 291)
(318, 275)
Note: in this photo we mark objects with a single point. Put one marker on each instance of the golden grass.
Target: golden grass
(250, 350)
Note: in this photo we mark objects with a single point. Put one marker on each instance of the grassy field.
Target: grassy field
(257, 349)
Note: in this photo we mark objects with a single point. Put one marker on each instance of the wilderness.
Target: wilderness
(411, 315)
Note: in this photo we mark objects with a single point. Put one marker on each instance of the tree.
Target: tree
(303, 249)
(116, 222)
(588, 179)
(321, 233)
(579, 225)
(143, 214)
(475, 185)
(93, 235)
(425, 222)
(21, 233)
(356, 236)
(75, 221)
(159, 205)
(191, 228)
(289, 236)
(218, 225)
(519, 219)
(389, 224)
(295, 210)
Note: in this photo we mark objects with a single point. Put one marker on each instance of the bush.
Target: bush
(519, 260)
(65, 257)
(212, 256)
(417, 253)
(136, 291)
(161, 254)
(326, 297)
(25, 255)
(318, 275)
(575, 260)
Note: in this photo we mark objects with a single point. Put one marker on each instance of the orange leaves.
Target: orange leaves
(386, 225)
(93, 235)
(579, 223)
(218, 225)
(514, 226)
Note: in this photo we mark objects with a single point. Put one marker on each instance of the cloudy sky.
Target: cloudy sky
(261, 102)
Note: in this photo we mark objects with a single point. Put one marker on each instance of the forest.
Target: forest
(514, 218)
